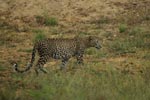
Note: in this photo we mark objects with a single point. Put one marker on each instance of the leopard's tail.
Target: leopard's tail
(29, 65)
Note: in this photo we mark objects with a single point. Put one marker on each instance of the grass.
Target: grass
(2, 68)
(99, 80)
(91, 51)
(122, 28)
(81, 84)
(51, 21)
(83, 33)
(96, 53)
(39, 35)
(140, 37)
(87, 83)
(122, 47)
(135, 31)
(7, 95)
(101, 20)
(2, 43)
(25, 50)
(147, 56)
(46, 20)
(133, 40)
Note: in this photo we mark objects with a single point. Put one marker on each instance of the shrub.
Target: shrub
(39, 35)
(122, 28)
(50, 21)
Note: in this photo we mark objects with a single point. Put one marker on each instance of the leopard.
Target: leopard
(59, 48)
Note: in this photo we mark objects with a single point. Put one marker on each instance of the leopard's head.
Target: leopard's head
(94, 42)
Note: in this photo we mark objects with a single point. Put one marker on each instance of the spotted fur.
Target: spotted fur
(60, 48)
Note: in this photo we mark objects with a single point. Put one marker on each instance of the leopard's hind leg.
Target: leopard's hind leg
(64, 63)
(40, 64)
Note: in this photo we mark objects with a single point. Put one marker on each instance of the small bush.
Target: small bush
(51, 21)
(122, 28)
(39, 35)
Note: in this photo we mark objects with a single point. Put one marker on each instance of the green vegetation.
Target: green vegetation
(80, 84)
(130, 42)
(51, 21)
(46, 20)
(25, 50)
(122, 46)
(39, 35)
(135, 31)
(122, 28)
(7, 95)
(83, 33)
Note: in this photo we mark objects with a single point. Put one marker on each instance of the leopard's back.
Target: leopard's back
(56, 48)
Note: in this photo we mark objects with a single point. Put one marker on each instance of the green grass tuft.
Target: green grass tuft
(46, 20)
(122, 28)
(51, 21)
(39, 35)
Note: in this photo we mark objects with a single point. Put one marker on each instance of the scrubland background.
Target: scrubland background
(119, 71)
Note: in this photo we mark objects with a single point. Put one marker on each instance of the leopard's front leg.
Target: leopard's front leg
(79, 57)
